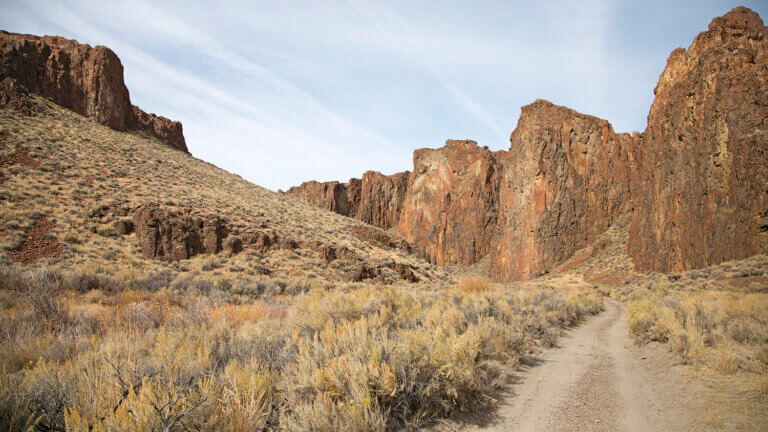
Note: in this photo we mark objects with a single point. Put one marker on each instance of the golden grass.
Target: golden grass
(720, 331)
(474, 285)
(370, 358)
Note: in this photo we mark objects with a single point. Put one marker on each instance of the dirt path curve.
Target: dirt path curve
(599, 381)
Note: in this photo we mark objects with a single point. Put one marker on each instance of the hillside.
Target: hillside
(124, 204)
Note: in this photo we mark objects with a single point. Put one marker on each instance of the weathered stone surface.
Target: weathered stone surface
(704, 197)
(88, 80)
(167, 130)
(380, 198)
(331, 196)
(565, 180)
(450, 212)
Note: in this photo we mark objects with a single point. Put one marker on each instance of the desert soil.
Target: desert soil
(598, 380)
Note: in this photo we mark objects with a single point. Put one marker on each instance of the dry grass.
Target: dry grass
(723, 330)
(359, 359)
(474, 285)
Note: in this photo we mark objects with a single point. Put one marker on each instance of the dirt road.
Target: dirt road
(597, 380)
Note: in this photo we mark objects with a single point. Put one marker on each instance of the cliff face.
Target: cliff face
(567, 178)
(697, 178)
(87, 80)
(705, 195)
(450, 212)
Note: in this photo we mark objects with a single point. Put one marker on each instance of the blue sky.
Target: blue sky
(281, 92)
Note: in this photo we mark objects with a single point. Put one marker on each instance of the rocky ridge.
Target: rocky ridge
(376, 199)
(87, 80)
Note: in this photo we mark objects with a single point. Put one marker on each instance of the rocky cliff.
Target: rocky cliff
(705, 194)
(566, 179)
(88, 80)
(696, 179)
(450, 212)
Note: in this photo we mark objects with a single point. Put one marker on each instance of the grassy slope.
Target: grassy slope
(82, 164)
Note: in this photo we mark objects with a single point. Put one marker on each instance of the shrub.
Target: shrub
(355, 358)
(473, 285)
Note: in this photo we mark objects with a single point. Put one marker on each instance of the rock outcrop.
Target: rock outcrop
(14, 96)
(375, 199)
(450, 212)
(158, 126)
(177, 234)
(88, 80)
(705, 184)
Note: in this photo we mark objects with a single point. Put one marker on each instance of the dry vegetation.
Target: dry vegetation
(80, 356)
(716, 320)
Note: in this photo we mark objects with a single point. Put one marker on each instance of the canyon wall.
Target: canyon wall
(88, 80)
(705, 187)
(696, 180)
(565, 181)
(450, 213)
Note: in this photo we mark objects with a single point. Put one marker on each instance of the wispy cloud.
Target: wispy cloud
(465, 101)
(236, 132)
(405, 36)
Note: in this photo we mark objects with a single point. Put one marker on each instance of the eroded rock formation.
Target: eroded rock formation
(565, 180)
(88, 80)
(177, 234)
(14, 96)
(705, 186)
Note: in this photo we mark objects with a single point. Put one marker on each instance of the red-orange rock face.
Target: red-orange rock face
(331, 196)
(167, 130)
(450, 211)
(565, 180)
(697, 178)
(704, 193)
(88, 80)
(380, 198)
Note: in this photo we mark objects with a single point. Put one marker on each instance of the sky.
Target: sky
(281, 92)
